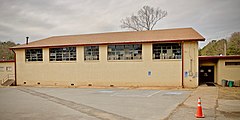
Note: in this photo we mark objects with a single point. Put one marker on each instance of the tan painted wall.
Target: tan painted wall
(227, 72)
(190, 64)
(6, 73)
(104, 72)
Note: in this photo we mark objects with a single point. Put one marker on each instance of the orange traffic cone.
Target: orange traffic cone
(199, 113)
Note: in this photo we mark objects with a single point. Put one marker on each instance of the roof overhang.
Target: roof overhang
(6, 61)
(213, 58)
(127, 37)
(105, 43)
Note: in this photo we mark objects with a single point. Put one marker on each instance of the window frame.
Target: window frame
(124, 52)
(91, 54)
(2, 68)
(232, 63)
(9, 69)
(34, 55)
(166, 51)
(63, 54)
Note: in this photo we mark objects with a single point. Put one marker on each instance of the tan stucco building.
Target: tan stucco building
(7, 71)
(141, 58)
(217, 68)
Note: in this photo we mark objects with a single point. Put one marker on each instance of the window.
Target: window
(1, 69)
(167, 51)
(91, 53)
(34, 55)
(125, 52)
(62, 54)
(232, 63)
(8, 68)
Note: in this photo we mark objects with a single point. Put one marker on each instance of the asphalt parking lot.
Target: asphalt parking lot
(28, 103)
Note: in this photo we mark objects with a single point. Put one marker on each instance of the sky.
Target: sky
(38, 19)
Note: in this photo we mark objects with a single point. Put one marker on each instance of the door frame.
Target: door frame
(214, 70)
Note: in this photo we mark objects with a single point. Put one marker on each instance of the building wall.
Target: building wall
(145, 72)
(227, 72)
(190, 73)
(7, 69)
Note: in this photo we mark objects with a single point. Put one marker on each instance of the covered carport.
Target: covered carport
(212, 69)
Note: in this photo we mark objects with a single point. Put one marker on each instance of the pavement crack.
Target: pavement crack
(216, 105)
(98, 113)
(175, 110)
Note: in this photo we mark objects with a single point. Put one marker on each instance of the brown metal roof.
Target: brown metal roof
(166, 35)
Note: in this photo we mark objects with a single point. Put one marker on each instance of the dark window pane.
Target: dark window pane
(124, 52)
(63, 54)
(91, 52)
(33, 55)
(167, 51)
(232, 63)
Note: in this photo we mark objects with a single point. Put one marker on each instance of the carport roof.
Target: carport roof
(5, 61)
(201, 58)
(166, 35)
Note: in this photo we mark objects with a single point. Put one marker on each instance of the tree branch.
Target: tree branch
(146, 19)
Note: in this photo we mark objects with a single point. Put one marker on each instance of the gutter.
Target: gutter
(182, 64)
(15, 68)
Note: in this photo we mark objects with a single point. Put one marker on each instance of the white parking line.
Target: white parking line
(105, 91)
(121, 95)
(173, 93)
(138, 94)
(154, 93)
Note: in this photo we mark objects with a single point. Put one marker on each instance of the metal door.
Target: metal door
(206, 74)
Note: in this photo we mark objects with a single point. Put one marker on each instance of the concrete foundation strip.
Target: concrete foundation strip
(101, 114)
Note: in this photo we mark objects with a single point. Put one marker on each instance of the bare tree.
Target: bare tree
(146, 19)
